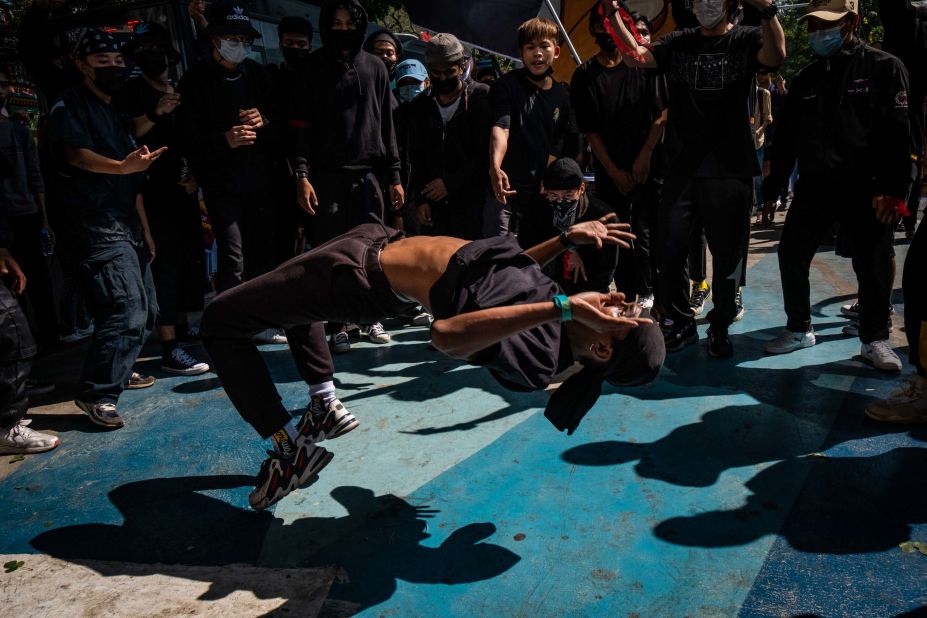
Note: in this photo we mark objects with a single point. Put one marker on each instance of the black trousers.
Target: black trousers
(38, 302)
(179, 270)
(636, 269)
(915, 300)
(17, 347)
(339, 281)
(243, 226)
(722, 206)
(817, 206)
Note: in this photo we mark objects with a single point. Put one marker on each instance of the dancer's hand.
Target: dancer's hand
(605, 231)
(603, 313)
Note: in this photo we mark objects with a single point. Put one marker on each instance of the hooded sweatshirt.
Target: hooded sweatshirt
(340, 110)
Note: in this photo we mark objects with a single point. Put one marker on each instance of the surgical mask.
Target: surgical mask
(408, 92)
(294, 56)
(564, 213)
(605, 42)
(826, 43)
(234, 52)
(110, 80)
(445, 86)
(709, 13)
(152, 63)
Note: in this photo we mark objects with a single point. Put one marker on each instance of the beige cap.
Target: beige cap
(831, 10)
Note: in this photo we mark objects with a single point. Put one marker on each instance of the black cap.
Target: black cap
(230, 18)
(563, 174)
(146, 36)
(292, 24)
(383, 35)
(97, 41)
(636, 360)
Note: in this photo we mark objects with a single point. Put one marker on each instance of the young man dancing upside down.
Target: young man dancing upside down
(493, 307)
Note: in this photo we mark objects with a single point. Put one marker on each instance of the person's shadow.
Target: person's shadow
(170, 525)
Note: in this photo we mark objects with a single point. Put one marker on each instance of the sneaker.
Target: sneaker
(739, 302)
(19, 439)
(787, 341)
(376, 333)
(906, 406)
(34, 388)
(881, 355)
(321, 422)
(340, 342)
(852, 329)
(850, 311)
(279, 476)
(181, 363)
(102, 414)
(646, 302)
(680, 336)
(698, 297)
(271, 336)
(422, 319)
(138, 381)
(719, 344)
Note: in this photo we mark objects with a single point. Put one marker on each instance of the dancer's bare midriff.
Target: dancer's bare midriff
(414, 265)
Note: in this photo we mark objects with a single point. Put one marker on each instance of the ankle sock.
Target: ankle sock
(284, 440)
(325, 390)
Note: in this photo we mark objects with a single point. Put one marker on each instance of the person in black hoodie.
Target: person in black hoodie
(344, 136)
(227, 123)
(449, 145)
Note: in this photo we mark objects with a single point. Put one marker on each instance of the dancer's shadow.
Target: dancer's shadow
(169, 525)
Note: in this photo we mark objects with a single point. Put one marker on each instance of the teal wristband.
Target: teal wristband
(562, 302)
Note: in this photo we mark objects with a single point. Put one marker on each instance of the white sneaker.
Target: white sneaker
(787, 341)
(646, 302)
(271, 336)
(376, 333)
(422, 319)
(340, 342)
(881, 355)
(20, 439)
(906, 406)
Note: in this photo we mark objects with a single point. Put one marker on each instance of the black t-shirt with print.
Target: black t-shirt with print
(711, 82)
(537, 120)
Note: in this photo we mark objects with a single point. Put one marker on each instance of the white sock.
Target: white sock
(284, 440)
(325, 390)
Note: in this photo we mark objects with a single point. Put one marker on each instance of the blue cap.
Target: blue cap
(410, 68)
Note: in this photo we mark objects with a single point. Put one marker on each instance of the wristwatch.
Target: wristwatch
(566, 242)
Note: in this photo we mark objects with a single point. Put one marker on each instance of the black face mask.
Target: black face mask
(542, 76)
(564, 213)
(295, 55)
(390, 66)
(346, 40)
(605, 42)
(445, 86)
(152, 63)
(110, 80)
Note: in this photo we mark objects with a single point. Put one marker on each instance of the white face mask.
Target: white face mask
(233, 51)
(410, 91)
(709, 13)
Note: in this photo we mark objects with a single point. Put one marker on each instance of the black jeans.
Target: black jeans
(340, 281)
(123, 304)
(16, 349)
(818, 204)
(179, 271)
(722, 206)
(243, 225)
(636, 269)
(915, 300)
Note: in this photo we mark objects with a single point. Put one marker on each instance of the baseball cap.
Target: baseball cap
(563, 174)
(146, 35)
(830, 10)
(230, 18)
(411, 68)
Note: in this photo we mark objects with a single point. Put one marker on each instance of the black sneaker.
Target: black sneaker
(698, 297)
(181, 363)
(279, 475)
(321, 422)
(719, 344)
(680, 336)
(739, 302)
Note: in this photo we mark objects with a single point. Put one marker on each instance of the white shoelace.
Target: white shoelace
(377, 329)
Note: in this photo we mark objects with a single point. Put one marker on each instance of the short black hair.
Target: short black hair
(292, 24)
(637, 17)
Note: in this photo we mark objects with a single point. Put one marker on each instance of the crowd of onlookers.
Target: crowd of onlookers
(686, 137)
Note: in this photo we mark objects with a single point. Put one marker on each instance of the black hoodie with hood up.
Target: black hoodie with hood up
(340, 112)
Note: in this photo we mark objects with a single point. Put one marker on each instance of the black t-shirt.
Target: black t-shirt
(494, 272)
(99, 208)
(537, 120)
(620, 104)
(711, 83)
(140, 98)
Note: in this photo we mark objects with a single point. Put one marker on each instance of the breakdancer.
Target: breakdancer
(493, 307)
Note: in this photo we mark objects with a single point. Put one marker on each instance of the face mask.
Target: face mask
(564, 213)
(605, 42)
(294, 55)
(409, 92)
(152, 63)
(445, 86)
(826, 43)
(234, 52)
(709, 13)
(542, 76)
(390, 65)
(346, 40)
(110, 80)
